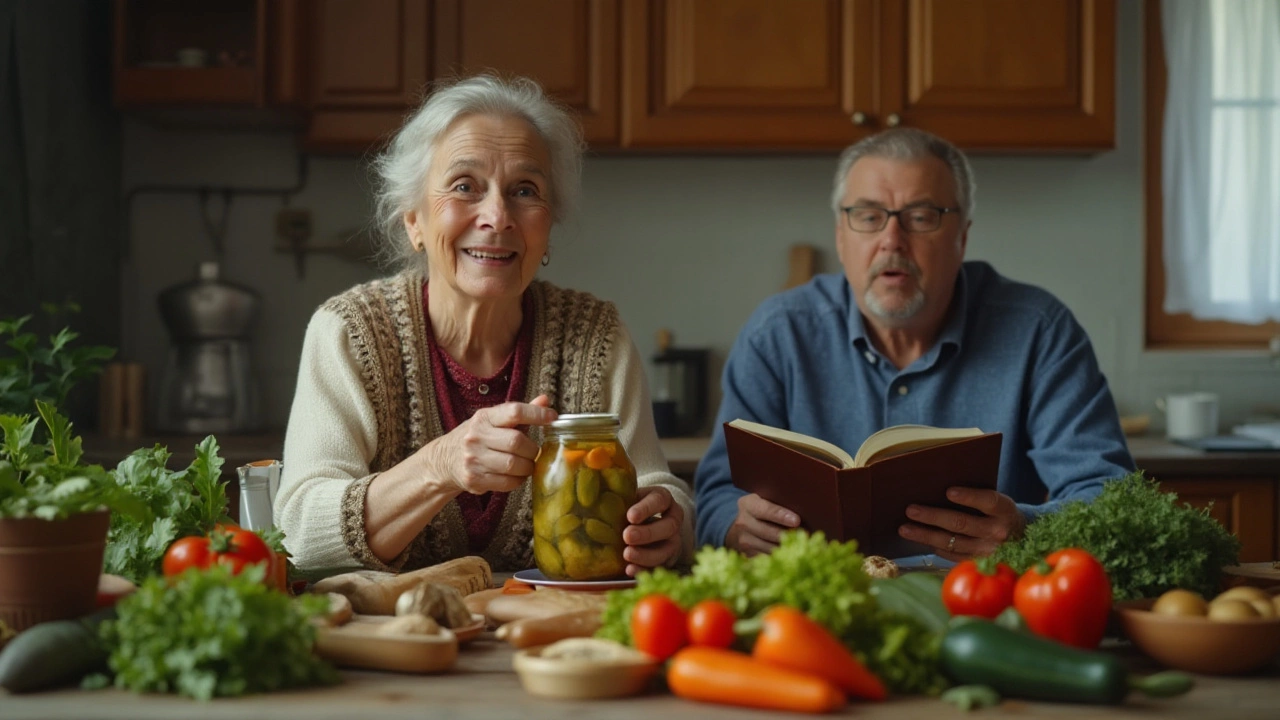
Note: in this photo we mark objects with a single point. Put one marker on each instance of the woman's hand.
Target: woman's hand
(652, 541)
(959, 536)
(489, 452)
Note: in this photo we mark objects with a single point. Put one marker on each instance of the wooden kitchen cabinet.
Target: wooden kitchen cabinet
(718, 74)
(235, 54)
(369, 61)
(819, 74)
(569, 46)
(1245, 506)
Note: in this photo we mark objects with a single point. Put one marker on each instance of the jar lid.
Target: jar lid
(586, 421)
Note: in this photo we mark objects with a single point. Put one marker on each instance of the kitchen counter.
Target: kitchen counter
(482, 686)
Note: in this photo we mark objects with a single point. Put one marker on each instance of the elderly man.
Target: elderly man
(911, 333)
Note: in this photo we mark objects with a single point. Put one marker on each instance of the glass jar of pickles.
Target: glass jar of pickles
(583, 483)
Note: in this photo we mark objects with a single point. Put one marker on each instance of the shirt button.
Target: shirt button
(902, 390)
(870, 356)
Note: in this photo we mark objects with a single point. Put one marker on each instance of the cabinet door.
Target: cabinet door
(1003, 74)
(710, 74)
(569, 46)
(1246, 507)
(369, 63)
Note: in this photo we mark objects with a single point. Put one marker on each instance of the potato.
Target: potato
(1180, 603)
(1231, 609)
(409, 625)
(1244, 592)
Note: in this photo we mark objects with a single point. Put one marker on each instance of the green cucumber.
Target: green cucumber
(54, 653)
(1019, 664)
(917, 595)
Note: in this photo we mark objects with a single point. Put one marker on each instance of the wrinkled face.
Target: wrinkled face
(485, 218)
(899, 277)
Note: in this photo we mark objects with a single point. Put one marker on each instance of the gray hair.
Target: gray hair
(400, 172)
(908, 144)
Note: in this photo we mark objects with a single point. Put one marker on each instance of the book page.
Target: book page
(813, 447)
(901, 439)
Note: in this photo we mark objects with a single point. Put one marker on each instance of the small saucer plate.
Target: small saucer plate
(534, 576)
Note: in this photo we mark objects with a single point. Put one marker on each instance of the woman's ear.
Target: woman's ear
(412, 230)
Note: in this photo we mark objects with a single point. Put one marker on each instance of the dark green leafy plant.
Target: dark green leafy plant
(182, 503)
(45, 479)
(1145, 538)
(31, 371)
(213, 634)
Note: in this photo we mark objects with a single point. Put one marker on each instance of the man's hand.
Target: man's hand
(758, 525)
(489, 452)
(959, 536)
(653, 533)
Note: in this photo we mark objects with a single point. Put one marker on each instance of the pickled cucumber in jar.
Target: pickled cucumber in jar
(583, 483)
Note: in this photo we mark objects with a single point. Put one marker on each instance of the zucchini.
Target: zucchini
(1018, 664)
(917, 595)
(54, 653)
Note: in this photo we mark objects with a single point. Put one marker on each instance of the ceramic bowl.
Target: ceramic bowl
(576, 679)
(1198, 644)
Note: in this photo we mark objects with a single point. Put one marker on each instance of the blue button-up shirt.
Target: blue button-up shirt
(1011, 358)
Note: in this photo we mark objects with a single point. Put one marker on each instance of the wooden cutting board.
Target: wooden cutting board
(1259, 574)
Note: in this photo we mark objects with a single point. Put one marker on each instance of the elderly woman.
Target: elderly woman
(409, 441)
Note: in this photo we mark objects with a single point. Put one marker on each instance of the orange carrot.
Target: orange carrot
(513, 586)
(713, 675)
(790, 639)
(600, 458)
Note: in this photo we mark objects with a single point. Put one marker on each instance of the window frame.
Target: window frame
(1178, 330)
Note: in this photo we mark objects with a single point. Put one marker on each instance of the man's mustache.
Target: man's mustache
(895, 263)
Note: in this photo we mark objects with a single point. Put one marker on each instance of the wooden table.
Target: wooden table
(482, 686)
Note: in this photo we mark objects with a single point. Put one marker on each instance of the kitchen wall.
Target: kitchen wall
(690, 243)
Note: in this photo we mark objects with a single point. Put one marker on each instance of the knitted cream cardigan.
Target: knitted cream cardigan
(365, 401)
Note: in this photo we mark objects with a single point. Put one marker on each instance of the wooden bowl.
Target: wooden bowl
(358, 645)
(1198, 644)
(573, 679)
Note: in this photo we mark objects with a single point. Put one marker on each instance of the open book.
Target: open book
(863, 496)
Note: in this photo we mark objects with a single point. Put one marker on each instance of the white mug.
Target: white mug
(1190, 415)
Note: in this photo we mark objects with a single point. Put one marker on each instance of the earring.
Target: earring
(546, 258)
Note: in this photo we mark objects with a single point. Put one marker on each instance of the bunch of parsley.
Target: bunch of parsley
(820, 577)
(187, 502)
(1145, 538)
(210, 634)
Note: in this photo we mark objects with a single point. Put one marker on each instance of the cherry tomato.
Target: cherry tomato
(711, 623)
(658, 626)
(227, 545)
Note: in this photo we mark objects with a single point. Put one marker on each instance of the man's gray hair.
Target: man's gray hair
(908, 144)
(400, 172)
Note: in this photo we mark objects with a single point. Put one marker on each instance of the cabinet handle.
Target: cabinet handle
(894, 120)
(859, 118)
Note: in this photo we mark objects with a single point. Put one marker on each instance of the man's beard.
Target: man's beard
(904, 310)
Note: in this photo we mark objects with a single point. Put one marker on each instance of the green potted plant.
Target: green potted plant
(54, 514)
(54, 511)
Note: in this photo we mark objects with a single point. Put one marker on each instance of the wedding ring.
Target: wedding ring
(951, 544)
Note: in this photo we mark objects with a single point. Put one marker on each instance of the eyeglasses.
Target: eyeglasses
(915, 219)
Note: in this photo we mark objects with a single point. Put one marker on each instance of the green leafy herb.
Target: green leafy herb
(182, 503)
(820, 577)
(32, 371)
(45, 479)
(1145, 538)
(214, 634)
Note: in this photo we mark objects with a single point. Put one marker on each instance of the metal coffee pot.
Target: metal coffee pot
(208, 384)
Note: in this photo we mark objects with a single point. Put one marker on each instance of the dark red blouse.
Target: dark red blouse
(460, 394)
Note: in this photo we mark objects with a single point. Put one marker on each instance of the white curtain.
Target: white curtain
(1222, 159)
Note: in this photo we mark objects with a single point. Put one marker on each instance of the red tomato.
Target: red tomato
(226, 545)
(1066, 598)
(983, 588)
(711, 623)
(658, 626)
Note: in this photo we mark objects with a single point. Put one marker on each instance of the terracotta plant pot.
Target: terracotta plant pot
(49, 568)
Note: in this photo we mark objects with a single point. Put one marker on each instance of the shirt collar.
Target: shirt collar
(952, 330)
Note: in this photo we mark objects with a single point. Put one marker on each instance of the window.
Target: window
(1213, 241)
